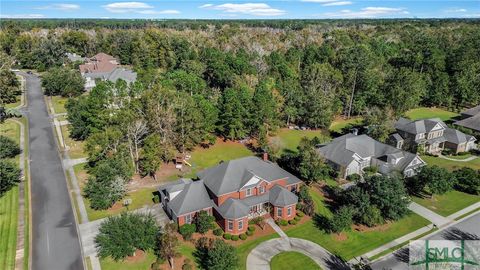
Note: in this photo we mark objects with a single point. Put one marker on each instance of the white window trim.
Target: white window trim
(248, 192)
(230, 222)
(240, 225)
(279, 211)
(289, 211)
(261, 189)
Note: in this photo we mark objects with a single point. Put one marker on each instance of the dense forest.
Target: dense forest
(237, 79)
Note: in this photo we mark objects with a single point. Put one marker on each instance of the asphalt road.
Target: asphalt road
(56, 245)
(468, 229)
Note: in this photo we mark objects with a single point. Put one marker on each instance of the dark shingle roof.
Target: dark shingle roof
(193, 197)
(232, 209)
(232, 175)
(342, 149)
(457, 137)
(472, 111)
(280, 196)
(418, 126)
(472, 123)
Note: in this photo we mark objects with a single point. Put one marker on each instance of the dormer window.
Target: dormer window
(248, 192)
(261, 189)
(421, 135)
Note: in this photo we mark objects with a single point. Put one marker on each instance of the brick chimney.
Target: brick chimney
(265, 156)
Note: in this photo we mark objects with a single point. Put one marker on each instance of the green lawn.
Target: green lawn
(207, 157)
(448, 203)
(139, 198)
(450, 164)
(356, 242)
(292, 260)
(58, 104)
(144, 264)
(244, 249)
(9, 208)
(424, 112)
(339, 124)
(187, 251)
(290, 138)
(461, 157)
(75, 148)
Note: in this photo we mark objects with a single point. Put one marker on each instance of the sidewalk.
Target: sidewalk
(426, 213)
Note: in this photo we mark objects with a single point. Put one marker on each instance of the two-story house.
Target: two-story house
(350, 154)
(234, 192)
(433, 135)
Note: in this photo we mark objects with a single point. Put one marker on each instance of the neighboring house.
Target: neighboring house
(470, 119)
(73, 57)
(350, 154)
(104, 67)
(433, 135)
(234, 192)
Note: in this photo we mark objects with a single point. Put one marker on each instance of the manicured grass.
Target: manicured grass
(448, 203)
(450, 164)
(338, 124)
(9, 208)
(206, 157)
(75, 148)
(187, 251)
(424, 112)
(244, 249)
(8, 228)
(461, 157)
(290, 138)
(144, 264)
(356, 242)
(139, 198)
(58, 103)
(292, 260)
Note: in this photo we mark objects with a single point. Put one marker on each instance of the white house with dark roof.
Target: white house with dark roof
(234, 192)
(351, 154)
(433, 135)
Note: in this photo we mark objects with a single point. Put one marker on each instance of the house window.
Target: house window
(188, 219)
(289, 211)
(279, 212)
(240, 225)
(262, 189)
(421, 135)
(230, 225)
(248, 192)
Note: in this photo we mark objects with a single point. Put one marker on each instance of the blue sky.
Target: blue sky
(252, 9)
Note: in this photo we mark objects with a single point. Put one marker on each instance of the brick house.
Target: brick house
(234, 192)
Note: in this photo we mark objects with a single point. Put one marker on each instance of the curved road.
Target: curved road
(55, 242)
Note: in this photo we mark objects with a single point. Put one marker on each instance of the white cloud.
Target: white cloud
(318, 1)
(455, 10)
(64, 7)
(368, 12)
(339, 3)
(22, 16)
(136, 7)
(255, 9)
(124, 7)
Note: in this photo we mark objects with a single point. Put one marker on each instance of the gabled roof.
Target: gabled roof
(231, 176)
(176, 185)
(103, 57)
(342, 149)
(280, 196)
(457, 137)
(232, 209)
(418, 126)
(472, 123)
(472, 111)
(396, 137)
(193, 197)
(122, 73)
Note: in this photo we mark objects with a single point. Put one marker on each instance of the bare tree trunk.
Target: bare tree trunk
(172, 265)
(353, 94)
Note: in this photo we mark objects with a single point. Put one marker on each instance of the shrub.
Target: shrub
(292, 222)
(157, 264)
(251, 228)
(235, 237)
(297, 218)
(243, 236)
(227, 236)
(187, 231)
(342, 220)
(9, 175)
(187, 266)
(249, 233)
(300, 214)
(156, 198)
(282, 222)
(204, 222)
(217, 232)
(354, 177)
(9, 147)
(468, 180)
